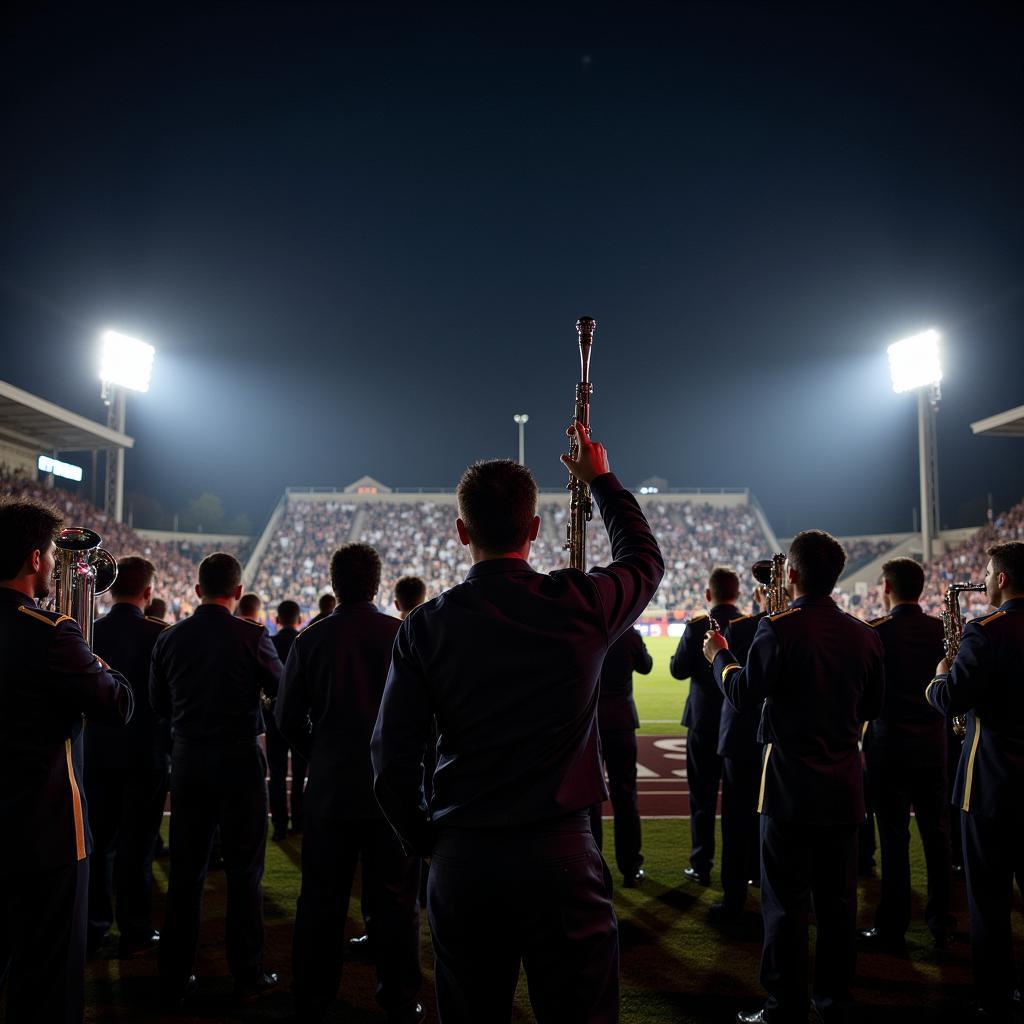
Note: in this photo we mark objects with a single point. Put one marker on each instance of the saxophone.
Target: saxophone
(952, 631)
(771, 574)
(581, 507)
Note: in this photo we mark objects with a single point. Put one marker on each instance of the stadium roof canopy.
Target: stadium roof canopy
(32, 421)
(1003, 424)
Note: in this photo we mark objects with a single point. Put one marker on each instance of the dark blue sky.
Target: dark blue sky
(360, 240)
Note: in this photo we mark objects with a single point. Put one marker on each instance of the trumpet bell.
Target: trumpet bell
(106, 570)
(762, 571)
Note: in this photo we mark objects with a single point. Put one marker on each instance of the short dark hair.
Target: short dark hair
(724, 584)
(219, 574)
(157, 608)
(817, 558)
(134, 574)
(1008, 557)
(288, 613)
(905, 578)
(327, 603)
(355, 572)
(410, 591)
(497, 502)
(25, 526)
(249, 605)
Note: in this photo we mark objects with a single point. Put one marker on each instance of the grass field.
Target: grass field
(675, 967)
(659, 697)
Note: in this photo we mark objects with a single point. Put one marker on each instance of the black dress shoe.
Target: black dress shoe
(881, 942)
(752, 1017)
(173, 997)
(414, 1015)
(725, 913)
(129, 945)
(359, 949)
(279, 835)
(700, 877)
(256, 985)
(634, 880)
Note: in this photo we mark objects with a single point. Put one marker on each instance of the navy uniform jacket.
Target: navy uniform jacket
(49, 679)
(335, 678)
(283, 640)
(820, 675)
(987, 682)
(907, 727)
(703, 707)
(207, 674)
(737, 730)
(124, 639)
(616, 708)
(509, 661)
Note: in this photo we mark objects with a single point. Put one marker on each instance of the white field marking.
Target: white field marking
(645, 773)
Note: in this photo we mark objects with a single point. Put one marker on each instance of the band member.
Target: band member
(207, 677)
(289, 620)
(325, 606)
(49, 679)
(741, 775)
(156, 609)
(126, 772)
(410, 593)
(334, 678)
(905, 750)
(509, 663)
(819, 674)
(985, 683)
(701, 716)
(617, 723)
(249, 607)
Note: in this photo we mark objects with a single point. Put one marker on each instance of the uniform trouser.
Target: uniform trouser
(540, 895)
(222, 784)
(703, 774)
(277, 760)
(898, 785)
(126, 805)
(741, 777)
(993, 855)
(42, 943)
(618, 747)
(330, 849)
(801, 863)
(954, 746)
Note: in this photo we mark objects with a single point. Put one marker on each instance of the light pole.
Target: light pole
(915, 366)
(522, 419)
(126, 364)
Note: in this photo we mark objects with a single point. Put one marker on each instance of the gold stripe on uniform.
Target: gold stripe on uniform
(76, 805)
(730, 668)
(764, 775)
(969, 778)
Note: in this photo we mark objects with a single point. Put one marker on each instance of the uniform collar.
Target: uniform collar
(208, 609)
(492, 566)
(726, 607)
(811, 601)
(17, 597)
(351, 606)
(124, 608)
(906, 609)
(1014, 605)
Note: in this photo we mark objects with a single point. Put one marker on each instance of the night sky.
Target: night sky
(359, 240)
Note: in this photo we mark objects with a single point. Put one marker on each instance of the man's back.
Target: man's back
(616, 708)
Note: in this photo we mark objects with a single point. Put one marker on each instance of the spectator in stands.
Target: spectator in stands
(410, 592)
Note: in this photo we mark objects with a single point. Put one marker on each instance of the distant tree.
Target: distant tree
(240, 524)
(204, 514)
(147, 513)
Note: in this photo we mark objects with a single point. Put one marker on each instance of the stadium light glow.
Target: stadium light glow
(914, 361)
(126, 362)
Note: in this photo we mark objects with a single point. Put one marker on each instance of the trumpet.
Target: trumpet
(82, 570)
(581, 507)
(771, 574)
(952, 631)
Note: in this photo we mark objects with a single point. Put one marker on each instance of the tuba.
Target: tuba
(952, 631)
(771, 574)
(581, 508)
(82, 570)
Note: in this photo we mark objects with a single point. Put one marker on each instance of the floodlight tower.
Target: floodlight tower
(522, 419)
(126, 364)
(915, 366)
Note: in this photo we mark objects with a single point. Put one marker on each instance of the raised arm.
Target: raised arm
(967, 682)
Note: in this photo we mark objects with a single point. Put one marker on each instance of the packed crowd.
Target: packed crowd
(175, 561)
(860, 552)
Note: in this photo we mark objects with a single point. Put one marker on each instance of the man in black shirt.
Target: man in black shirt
(325, 606)
(49, 679)
(509, 663)
(985, 683)
(701, 716)
(334, 678)
(208, 674)
(617, 722)
(126, 771)
(819, 675)
(905, 751)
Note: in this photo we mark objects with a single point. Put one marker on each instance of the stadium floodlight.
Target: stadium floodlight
(521, 419)
(914, 361)
(126, 362)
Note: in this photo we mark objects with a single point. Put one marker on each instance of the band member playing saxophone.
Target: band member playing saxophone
(984, 682)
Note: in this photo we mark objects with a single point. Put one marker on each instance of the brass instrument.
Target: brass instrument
(952, 631)
(771, 574)
(81, 572)
(581, 507)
